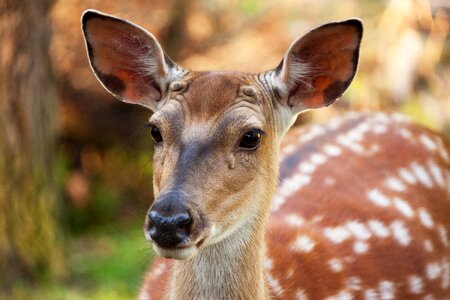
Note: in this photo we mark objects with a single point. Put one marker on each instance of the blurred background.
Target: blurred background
(75, 164)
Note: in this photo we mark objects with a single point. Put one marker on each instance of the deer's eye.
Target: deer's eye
(251, 139)
(156, 134)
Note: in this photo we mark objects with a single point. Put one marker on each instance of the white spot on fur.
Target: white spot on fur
(403, 207)
(378, 198)
(422, 174)
(359, 230)
(407, 176)
(433, 270)
(443, 235)
(379, 129)
(381, 117)
(374, 148)
(158, 270)
(312, 133)
(405, 133)
(400, 118)
(288, 187)
(429, 297)
(401, 233)
(144, 295)
(335, 265)
(337, 234)
(332, 150)
(307, 167)
(379, 229)
(415, 284)
(395, 184)
(302, 180)
(370, 294)
(360, 247)
(268, 264)
(427, 142)
(425, 218)
(318, 158)
(301, 295)
(364, 127)
(343, 295)
(355, 135)
(348, 143)
(329, 181)
(294, 220)
(443, 153)
(349, 259)
(274, 285)
(335, 123)
(428, 245)
(354, 283)
(436, 173)
(303, 244)
(447, 175)
(277, 202)
(445, 274)
(387, 290)
(289, 149)
(317, 219)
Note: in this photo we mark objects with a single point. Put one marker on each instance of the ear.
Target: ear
(127, 59)
(319, 66)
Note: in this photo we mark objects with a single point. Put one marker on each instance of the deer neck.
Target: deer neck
(230, 269)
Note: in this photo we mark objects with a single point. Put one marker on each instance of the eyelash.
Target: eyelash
(155, 133)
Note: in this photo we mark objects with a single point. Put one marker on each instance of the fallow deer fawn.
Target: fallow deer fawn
(362, 210)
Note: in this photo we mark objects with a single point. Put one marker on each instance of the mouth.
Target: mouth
(181, 252)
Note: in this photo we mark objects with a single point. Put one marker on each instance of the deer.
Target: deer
(354, 208)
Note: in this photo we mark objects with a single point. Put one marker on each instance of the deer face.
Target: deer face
(216, 134)
(214, 141)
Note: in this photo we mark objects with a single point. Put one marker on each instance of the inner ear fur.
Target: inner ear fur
(320, 65)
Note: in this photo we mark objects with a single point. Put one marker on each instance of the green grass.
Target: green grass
(108, 264)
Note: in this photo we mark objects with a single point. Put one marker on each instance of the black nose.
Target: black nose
(169, 223)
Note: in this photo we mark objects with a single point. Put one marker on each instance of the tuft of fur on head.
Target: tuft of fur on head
(299, 73)
(294, 74)
(149, 66)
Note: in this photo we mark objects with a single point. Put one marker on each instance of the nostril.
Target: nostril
(183, 223)
(182, 220)
(154, 216)
(152, 232)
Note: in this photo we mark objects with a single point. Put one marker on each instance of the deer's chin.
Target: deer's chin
(177, 253)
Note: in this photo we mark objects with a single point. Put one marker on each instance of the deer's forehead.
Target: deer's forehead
(215, 99)
(211, 94)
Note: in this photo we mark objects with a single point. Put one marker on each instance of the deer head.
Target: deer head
(216, 134)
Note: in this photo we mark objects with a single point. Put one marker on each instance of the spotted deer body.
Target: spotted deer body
(361, 209)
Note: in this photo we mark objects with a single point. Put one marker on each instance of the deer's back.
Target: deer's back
(362, 211)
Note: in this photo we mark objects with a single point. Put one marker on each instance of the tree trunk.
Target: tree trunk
(29, 242)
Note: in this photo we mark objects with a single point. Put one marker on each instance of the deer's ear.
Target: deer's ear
(319, 66)
(127, 59)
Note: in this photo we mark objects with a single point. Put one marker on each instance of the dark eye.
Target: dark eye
(251, 139)
(156, 134)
